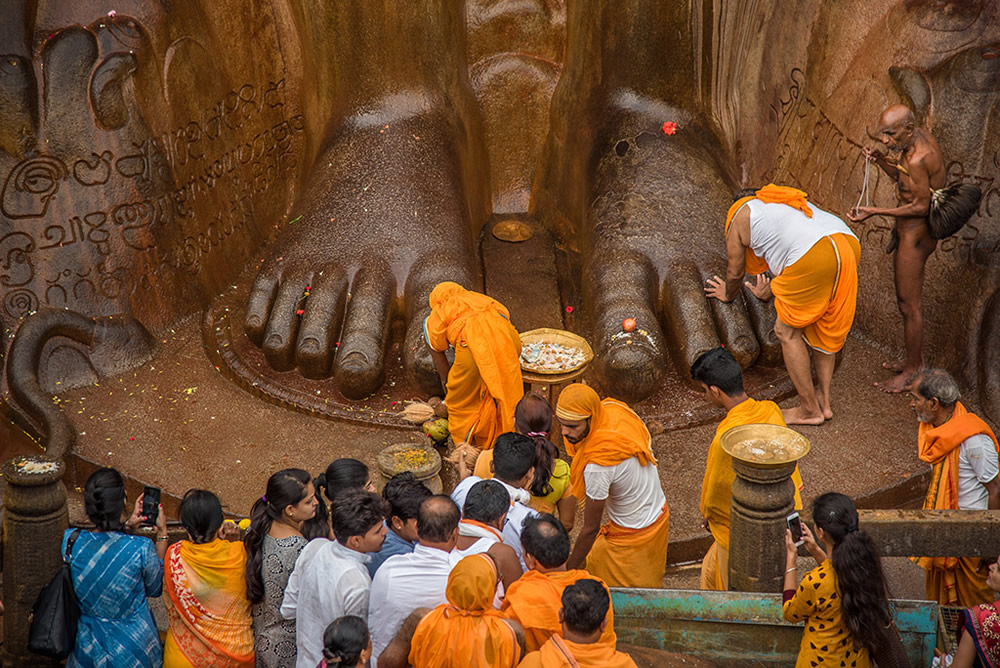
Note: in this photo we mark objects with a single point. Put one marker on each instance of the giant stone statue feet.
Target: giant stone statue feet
(382, 220)
(656, 234)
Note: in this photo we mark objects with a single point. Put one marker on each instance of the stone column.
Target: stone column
(763, 496)
(34, 520)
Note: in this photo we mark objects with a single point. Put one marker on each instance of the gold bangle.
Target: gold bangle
(160, 539)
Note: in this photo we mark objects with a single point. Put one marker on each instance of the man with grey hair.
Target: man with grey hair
(962, 450)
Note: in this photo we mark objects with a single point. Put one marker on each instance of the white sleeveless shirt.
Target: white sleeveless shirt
(780, 235)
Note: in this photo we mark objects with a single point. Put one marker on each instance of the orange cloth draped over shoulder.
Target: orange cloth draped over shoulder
(466, 632)
(716, 487)
(484, 384)
(561, 653)
(207, 606)
(534, 600)
(951, 580)
(621, 556)
(616, 433)
(818, 293)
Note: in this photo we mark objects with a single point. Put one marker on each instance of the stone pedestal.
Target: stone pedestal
(34, 520)
(423, 461)
(763, 496)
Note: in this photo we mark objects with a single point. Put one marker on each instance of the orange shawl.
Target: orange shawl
(616, 433)
(466, 632)
(207, 606)
(534, 600)
(482, 391)
(769, 194)
(716, 488)
(561, 653)
(939, 446)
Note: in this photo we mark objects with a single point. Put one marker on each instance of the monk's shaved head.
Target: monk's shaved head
(898, 115)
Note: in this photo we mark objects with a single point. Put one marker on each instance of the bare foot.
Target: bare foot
(797, 415)
(824, 405)
(896, 384)
(894, 365)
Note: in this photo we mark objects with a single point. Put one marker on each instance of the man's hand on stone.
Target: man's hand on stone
(761, 287)
(716, 287)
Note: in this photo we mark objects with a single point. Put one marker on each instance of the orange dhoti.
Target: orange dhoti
(484, 383)
(818, 293)
(716, 488)
(631, 557)
(960, 582)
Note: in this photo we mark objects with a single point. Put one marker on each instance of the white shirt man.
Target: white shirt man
(330, 578)
(328, 581)
(977, 465)
(406, 582)
(519, 510)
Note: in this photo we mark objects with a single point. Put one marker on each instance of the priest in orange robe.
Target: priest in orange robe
(962, 449)
(614, 468)
(813, 256)
(584, 606)
(721, 379)
(466, 632)
(484, 384)
(535, 598)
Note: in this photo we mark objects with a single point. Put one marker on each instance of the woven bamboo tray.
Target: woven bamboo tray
(563, 338)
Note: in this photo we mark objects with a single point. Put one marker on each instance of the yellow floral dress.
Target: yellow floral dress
(825, 639)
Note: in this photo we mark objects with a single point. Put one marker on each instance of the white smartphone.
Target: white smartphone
(794, 524)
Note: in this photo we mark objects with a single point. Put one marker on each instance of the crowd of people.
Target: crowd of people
(331, 573)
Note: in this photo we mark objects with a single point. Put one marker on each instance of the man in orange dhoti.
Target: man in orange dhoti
(535, 598)
(484, 384)
(962, 449)
(466, 632)
(584, 606)
(813, 256)
(721, 378)
(614, 467)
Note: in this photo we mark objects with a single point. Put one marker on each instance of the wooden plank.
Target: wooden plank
(933, 533)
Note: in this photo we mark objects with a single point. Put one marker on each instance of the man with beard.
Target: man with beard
(962, 450)
(614, 467)
(918, 168)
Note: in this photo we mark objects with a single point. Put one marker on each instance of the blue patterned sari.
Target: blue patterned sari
(113, 573)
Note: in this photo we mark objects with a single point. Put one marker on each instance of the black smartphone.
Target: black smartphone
(150, 505)
(794, 524)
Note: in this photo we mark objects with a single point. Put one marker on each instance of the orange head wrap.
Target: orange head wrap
(467, 630)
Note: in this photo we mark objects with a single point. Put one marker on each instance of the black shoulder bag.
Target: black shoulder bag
(56, 611)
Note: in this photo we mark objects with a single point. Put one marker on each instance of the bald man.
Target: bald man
(915, 161)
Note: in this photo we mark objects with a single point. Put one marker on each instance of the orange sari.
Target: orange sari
(534, 600)
(951, 580)
(207, 607)
(466, 632)
(716, 488)
(484, 383)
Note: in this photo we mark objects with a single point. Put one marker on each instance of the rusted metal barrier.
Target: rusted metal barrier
(735, 629)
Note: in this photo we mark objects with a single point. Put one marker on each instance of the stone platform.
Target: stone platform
(181, 423)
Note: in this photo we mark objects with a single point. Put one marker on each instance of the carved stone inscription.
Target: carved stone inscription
(88, 231)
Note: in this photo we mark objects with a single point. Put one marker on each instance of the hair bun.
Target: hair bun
(320, 480)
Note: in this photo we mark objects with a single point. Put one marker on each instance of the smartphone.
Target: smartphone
(794, 524)
(150, 505)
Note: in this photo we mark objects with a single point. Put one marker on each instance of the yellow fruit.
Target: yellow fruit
(437, 430)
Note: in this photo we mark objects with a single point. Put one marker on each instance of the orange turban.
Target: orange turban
(466, 632)
(616, 433)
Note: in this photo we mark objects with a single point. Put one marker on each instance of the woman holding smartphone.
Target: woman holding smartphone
(843, 602)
